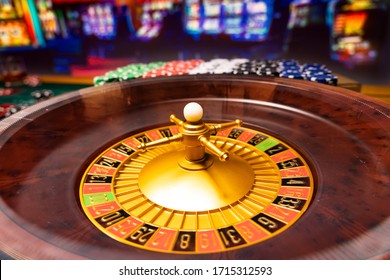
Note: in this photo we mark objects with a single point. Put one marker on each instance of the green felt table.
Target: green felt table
(22, 94)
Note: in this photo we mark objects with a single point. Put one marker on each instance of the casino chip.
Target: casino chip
(293, 75)
(4, 110)
(98, 80)
(313, 66)
(41, 95)
(37, 94)
(327, 79)
(6, 91)
(272, 71)
(47, 93)
(111, 77)
(32, 80)
(7, 110)
(173, 68)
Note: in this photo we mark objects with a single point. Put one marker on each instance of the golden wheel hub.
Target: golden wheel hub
(165, 182)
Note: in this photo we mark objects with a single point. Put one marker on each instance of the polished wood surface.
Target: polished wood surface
(344, 136)
(61, 79)
(380, 92)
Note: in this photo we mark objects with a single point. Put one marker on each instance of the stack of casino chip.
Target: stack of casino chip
(261, 67)
(312, 72)
(134, 71)
(42, 94)
(173, 68)
(247, 67)
(207, 67)
(217, 66)
(228, 66)
(291, 69)
(109, 77)
(128, 72)
(4, 108)
(7, 110)
(32, 80)
(319, 73)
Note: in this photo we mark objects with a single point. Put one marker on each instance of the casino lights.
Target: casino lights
(356, 30)
(19, 24)
(240, 20)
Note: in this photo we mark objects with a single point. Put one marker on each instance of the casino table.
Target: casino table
(21, 95)
(272, 168)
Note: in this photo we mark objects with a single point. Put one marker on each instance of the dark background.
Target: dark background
(61, 54)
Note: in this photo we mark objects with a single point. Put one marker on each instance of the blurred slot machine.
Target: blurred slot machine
(71, 22)
(19, 30)
(48, 19)
(299, 14)
(192, 17)
(357, 30)
(211, 17)
(98, 20)
(233, 18)
(258, 20)
(307, 20)
(61, 19)
(241, 20)
(150, 16)
(19, 24)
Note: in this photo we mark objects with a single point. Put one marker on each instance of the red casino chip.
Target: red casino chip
(174, 68)
(4, 109)
(6, 91)
(32, 80)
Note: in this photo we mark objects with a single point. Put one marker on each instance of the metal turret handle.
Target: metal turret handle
(195, 135)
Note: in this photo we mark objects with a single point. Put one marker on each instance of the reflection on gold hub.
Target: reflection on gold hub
(166, 183)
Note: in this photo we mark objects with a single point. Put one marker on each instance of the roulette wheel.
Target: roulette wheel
(252, 168)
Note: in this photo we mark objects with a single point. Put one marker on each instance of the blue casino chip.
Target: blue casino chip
(324, 79)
